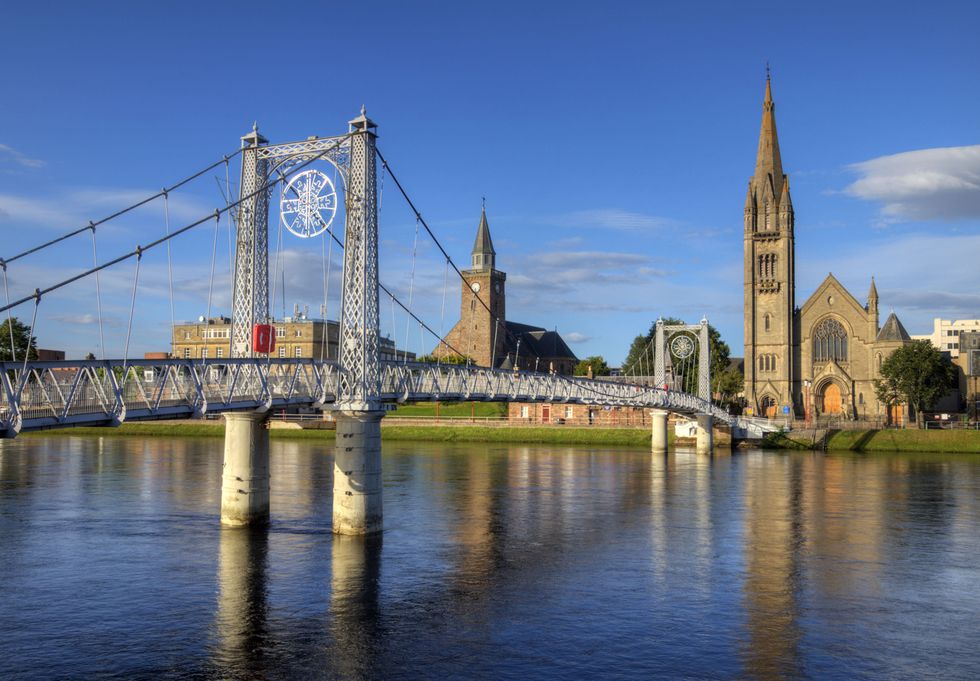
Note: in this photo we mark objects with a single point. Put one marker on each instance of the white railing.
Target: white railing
(107, 392)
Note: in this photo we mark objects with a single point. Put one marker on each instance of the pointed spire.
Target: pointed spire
(768, 164)
(484, 256)
(785, 203)
(749, 199)
(873, 293)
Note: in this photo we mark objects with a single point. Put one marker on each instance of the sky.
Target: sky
(613, 142)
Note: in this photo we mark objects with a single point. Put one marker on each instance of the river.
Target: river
(497, 562)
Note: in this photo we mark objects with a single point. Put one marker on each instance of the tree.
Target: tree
(22, 340)
(90, 356)
(917, 374)
(640, 359)
(598, 364)
(728, 384)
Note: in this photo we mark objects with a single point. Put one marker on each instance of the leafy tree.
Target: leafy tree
(598, 364)
(916, 374)
(728, 384)
(22, 340)
(640, 359)
(90, 356)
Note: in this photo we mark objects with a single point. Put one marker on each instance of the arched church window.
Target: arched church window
(762, 362)
(767, 214)
(829, 341)
(772, 266)
(767, 321)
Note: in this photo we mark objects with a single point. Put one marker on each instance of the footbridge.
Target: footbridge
(244, 379)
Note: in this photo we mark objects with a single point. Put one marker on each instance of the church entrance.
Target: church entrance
(769, 407)
(831, 399)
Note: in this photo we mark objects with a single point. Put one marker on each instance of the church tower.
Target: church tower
(482, 327)
(769, 276)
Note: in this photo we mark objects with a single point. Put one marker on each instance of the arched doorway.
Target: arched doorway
(831, 399)
(768, 407)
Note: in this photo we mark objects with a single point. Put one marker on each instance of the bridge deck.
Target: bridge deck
(39, 395)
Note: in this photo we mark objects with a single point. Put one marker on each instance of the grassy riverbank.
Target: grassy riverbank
(955, 441)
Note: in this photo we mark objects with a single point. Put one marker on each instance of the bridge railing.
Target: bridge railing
(51, 394)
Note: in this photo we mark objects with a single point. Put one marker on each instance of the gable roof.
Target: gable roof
(537, 341)
(831, 281)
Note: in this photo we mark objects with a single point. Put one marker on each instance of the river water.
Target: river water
(498, 562)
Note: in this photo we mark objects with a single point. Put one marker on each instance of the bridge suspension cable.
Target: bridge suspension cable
(449, 260)
(139, 250)
(93, 224)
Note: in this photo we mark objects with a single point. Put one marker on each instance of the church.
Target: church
(484, 335)
(818, 359)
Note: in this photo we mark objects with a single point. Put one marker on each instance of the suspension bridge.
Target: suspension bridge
(357, 385)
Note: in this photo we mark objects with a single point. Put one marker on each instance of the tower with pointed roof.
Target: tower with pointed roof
(769, 272)
(820, 359)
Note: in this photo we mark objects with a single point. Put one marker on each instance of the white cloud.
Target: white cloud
(613, 218)
(8, 153)
(926, 184)
(576, 337)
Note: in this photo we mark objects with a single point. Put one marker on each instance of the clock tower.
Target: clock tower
(482, 326)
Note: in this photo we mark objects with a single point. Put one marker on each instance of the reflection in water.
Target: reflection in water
(354, 605)
(497, 562)
(241, 618)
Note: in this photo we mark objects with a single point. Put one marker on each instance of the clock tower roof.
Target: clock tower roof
(484, 257)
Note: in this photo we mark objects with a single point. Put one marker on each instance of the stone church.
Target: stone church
(817, 359)
(483, 333)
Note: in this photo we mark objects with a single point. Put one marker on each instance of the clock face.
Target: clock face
(475, 286)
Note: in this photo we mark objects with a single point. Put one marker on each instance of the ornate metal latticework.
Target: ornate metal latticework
(681, 340)
(359, 388)
(308, 204)
(250, 293)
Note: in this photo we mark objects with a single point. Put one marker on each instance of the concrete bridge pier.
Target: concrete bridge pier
(659, 434)
(357, 504)
(245, 473)
(705, 434)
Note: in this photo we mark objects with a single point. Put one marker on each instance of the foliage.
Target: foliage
(728, 384)
(447, 359)
(916, 374)
(450, 409)
(640, 359)
(598, 364)
(21, 336)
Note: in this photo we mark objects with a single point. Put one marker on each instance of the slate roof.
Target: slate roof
(537, 341)
(893, 330)
(483, 243)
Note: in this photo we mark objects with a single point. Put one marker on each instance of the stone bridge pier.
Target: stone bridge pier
(245, 471)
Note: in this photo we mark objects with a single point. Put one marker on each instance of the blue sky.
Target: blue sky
(613, 142)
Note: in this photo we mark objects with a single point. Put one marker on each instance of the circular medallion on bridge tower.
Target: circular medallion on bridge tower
(308, 204)
(682, 347)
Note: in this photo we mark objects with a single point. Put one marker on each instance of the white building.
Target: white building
(946, 334)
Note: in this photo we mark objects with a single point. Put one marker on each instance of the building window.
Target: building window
(219, 353)
(298, 352)
(829, 341)
(204, 353)
(282, 351)
(767, 321)
(569, 412)
(524, 412)
(878, 361)
(187, 353)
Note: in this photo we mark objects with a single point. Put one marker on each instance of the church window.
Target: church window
(473, 305)
(767, 214)
(860, 398)
(762, 362)
(829, 341)
(767, 321)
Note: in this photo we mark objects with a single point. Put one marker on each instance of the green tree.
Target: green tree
(916, 374)
(22, 340)
(598, 364)
(728, 384)
(640, 359)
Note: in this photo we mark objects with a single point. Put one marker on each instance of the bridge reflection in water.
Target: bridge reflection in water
(498, 561)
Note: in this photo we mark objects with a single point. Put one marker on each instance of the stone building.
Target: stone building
(968, 371)
(483, 332)
(817, 359)
(296, 336)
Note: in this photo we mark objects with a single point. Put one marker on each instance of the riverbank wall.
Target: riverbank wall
(953, 441)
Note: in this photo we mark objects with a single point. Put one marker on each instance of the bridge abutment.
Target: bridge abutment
(245, 472)
(705, 434)
(658, 440)
(357, 502)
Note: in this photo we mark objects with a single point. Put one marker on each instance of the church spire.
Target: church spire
(768, 164)
(484, 257)
(873, 294)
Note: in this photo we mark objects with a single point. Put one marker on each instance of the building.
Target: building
(483, 333)
(296, 336)
(968, 370)
(945, 334)
(817, 359)
(50, 355)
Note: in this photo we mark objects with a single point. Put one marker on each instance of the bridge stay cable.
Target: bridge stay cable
(93, 224)
(137, 252)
